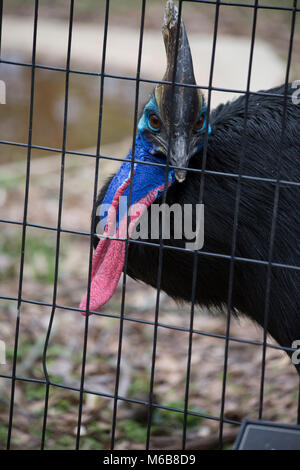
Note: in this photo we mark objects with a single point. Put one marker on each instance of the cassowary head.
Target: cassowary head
(174, 119)
(171, 129)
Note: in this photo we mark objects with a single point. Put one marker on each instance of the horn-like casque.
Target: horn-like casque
(178, 105)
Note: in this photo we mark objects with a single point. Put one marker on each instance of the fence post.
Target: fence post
(2, 353)
(2, 92)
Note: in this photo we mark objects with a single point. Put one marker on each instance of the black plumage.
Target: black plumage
(265, 153)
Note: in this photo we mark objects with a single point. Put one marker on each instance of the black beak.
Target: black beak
(178, 105)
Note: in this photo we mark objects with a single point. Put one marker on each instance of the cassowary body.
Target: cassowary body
(261, 158)
(172, 126)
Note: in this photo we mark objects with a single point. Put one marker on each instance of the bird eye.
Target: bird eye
(200, 124)
(154, 122)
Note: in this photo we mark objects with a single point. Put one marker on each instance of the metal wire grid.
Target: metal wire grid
(255, 6)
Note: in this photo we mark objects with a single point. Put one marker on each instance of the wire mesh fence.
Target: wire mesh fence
(47, 383)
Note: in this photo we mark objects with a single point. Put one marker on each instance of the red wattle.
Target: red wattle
(109, 257)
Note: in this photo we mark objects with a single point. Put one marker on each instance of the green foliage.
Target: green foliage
(10, 180)
(65, 442)
(133, 431)
(63, 406)
(54, 351)
(3, 436)
(173, 418)
(39, 256)
(22, 350)
(34, 391)
(139, 386)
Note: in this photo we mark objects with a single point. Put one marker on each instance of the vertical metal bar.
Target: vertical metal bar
(1, 20)
(58, 232)
(275, 210)
(235, 225)
(161, 244)
(97, 162)
(119, 355)
(189, 358)
(26, 195)
(211, 75)
(298, 410)
(201, 197)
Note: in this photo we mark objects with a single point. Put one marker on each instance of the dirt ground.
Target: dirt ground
(64, 355)
(65, 349)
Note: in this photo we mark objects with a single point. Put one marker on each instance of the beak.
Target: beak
(179, 156)
(179, 106)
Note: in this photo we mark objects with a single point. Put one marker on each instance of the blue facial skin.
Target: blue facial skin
(202, 130)
(152, 108)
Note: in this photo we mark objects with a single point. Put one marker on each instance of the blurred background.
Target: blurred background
(66, 341)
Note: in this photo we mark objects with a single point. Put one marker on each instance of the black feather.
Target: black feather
(225, 149)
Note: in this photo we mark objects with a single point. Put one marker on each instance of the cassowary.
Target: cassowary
(172, 129)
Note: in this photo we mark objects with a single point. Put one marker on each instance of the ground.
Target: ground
(64, 353)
